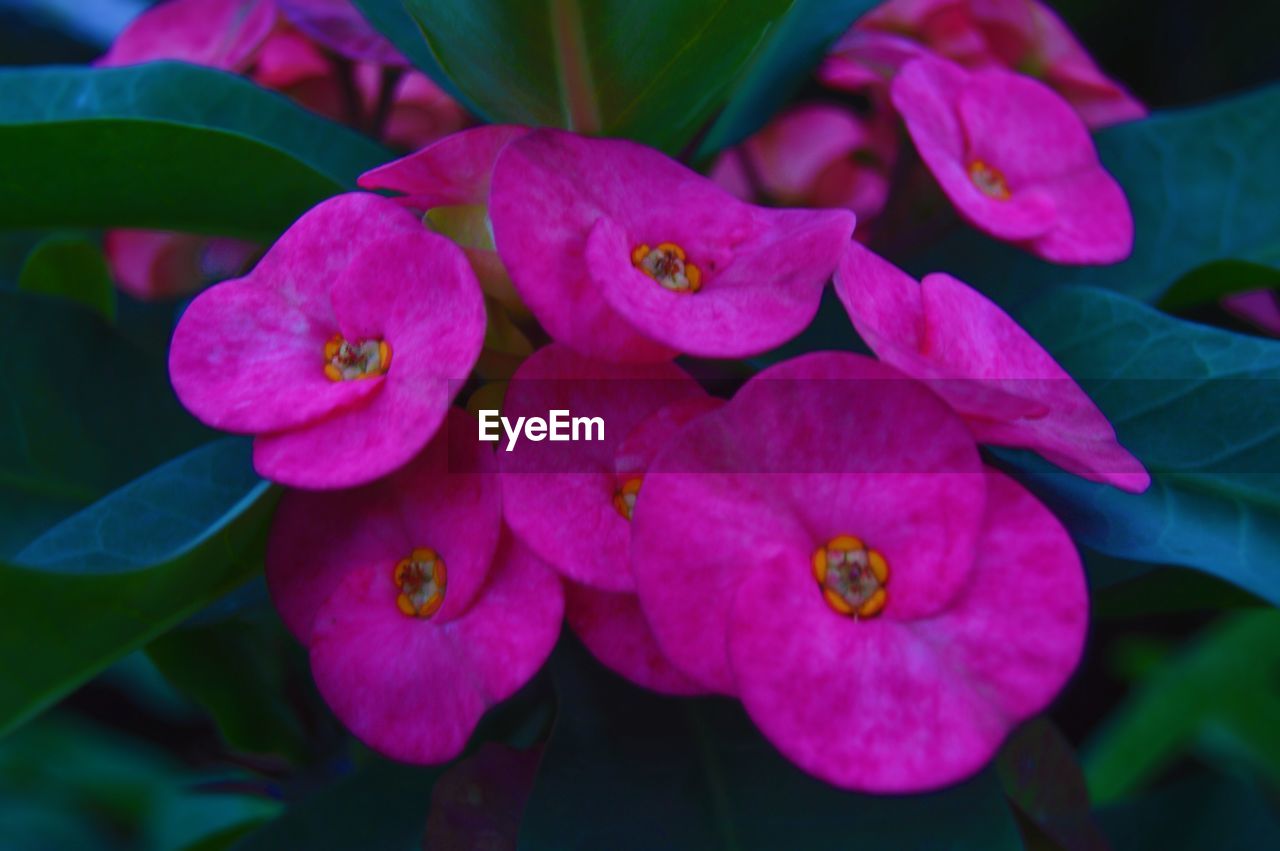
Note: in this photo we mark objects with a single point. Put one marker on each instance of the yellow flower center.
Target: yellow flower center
(345, 361)
(421, 579)
(989, 179)
(668, 265)
(852, 577)
(624, 498)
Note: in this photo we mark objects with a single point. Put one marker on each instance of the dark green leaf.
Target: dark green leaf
(71, 268)
(626, 768)
(85, 414)
(1202, 183)
(1226, 684)
(239, 669)
(653, 71)
(119, 790)
(123, 571)
(1195, 813)
(1200, 408)
(390, 18)
(381, 806)
(168, 146)
(794, 47)
(1213, 281)
(1159, 590)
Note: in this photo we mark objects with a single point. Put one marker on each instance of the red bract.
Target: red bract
(1010, 391)
(1015, 161)
(828, 547)
(418, 611)
(341, 350)
(626, 255)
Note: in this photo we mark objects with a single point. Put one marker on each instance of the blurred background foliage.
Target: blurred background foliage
(207, 733)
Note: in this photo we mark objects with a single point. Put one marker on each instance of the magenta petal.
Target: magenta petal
(890, 706)
(248, 355)
(246, 359)
(1019, 630)
(1057, 199)
(318, 537)
(1021, 125)
(338, 25)
(613, 628)
(820, 446)
(216, 33)
(547, 192)
(457, 170)
(414, 689)
(447, 499)
(926, 92)
(765, 294)
(762, 271)
(558, 497)
(416, 292)
(1095, 224)
(1258, 307)
(1009, 389)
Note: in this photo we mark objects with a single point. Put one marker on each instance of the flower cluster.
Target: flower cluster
(322, 55)
(823, 543)
(997, 97)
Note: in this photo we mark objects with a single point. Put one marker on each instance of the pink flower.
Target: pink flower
(1015, 161)
(626, 255)
(224, 34)
(828, 547)
(339, 26)
(614, 629)
(161, 264)
(1009, 390)
(1259, 307)
(1020, 35)
(572, 503)
(250, 37)
(418, 611)
(340, 351)
(418, 113)
(448, 183)
(816, 155)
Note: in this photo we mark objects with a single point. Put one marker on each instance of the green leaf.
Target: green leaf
(1202, 183)
(1213, 281)
(125, 570)
(654, 71)
(116, 787)
(381, 806)
(167, 146)
(1195, 813)
(70, 268)
(1200, 408)
(397, 25)
(626, 768)
(88, 412)
(1226, 683)
(241, 670)
(794, 47)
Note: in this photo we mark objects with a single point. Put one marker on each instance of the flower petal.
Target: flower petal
(824, 445)
(907, 706)
(613, 628)
(414, 689)
(766, 293)
(558, 497)
(447, 499)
